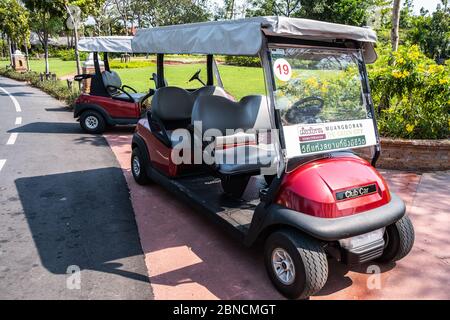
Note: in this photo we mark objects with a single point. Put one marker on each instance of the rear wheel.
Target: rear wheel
(138, 167)
(399, 240)
(92, 122)
(296, 264)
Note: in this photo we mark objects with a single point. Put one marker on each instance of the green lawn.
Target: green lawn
(239, 81)
(61, 68)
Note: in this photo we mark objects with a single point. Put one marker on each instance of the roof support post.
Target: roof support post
(160, 70)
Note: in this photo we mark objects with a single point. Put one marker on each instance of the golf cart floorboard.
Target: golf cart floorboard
(205, 193)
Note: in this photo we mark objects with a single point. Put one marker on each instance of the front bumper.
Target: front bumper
(363, 254)
(337, 228)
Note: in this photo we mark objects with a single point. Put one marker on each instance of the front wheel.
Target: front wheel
(399, 240)
(92, 122)
(138, 168)
(296, 264)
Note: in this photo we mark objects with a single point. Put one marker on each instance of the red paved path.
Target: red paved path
(188, 257)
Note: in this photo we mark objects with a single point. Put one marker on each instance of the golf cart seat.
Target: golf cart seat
(250, 114)
(114, 87)
(172, 107)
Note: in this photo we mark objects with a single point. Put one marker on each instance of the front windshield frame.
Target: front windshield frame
(368, 103)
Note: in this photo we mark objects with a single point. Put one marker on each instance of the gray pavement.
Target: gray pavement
(64, 204)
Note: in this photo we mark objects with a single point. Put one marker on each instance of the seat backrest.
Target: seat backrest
(210, 91)
(174, 103)
(111, 78)
(216, 112)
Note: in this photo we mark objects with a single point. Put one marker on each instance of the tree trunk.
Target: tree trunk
(75, 32)
(395, 25)
(47, 66)
(10, 52)
(26, 55)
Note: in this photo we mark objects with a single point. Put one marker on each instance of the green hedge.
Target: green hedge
(243, 61)
(57, 89)
(411, 94)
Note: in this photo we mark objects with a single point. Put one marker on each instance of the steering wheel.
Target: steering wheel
(195, 76)
(299, 113)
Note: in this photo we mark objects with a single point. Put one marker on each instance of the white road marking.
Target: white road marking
(13, 99)
(2, 163)
(18, 121)
(12, 139)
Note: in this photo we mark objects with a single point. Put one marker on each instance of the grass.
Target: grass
(238, 81)
(61, 68)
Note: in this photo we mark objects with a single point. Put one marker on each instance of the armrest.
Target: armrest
(121, 90)
(158, 129)
(81, 77)
(128, 87)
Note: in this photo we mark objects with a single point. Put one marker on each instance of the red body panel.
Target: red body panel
(115, 108)
(312, 187)
(158, 152)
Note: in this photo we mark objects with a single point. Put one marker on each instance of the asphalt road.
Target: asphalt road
(64, 206)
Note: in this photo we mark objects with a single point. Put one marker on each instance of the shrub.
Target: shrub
(133, 64)
(411, 94)
(243, 61)
(67, 54)
(56, 89)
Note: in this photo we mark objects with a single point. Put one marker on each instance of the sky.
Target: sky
(430, 5)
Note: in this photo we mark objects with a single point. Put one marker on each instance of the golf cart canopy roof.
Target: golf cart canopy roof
(245, 36)
(119, 44)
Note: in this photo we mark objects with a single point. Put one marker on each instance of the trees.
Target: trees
(180, 11)
(354, 12)
(287, 8)
(14, 23)
(45, 20)
(432, 32)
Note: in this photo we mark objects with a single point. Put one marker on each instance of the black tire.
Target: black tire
(92, 122)
(399, 239)
(138, 168)
(309, 260)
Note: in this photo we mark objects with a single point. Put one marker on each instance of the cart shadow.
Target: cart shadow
(48, 127)
(339, 280)
(188, 249)
(59, 109)
(83, 219)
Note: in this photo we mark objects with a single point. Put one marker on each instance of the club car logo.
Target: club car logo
(311, 133)
(356, 192)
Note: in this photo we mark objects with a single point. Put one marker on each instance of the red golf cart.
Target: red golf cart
(107, 102)
(280, 168)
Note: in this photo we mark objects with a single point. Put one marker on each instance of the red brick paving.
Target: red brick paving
(188, 257)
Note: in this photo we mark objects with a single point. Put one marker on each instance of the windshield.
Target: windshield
(322, 103)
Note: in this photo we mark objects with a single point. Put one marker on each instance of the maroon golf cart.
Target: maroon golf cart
(105, 101)
(280, 168)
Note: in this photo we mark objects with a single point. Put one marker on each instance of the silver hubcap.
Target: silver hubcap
(91, 122)
(136, 166)
(283, 266)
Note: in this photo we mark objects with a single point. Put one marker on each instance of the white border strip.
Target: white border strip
(14, 100)
(2, 163)
(12, 139)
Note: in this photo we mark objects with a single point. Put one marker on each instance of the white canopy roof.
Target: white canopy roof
(244, 36)
(106, 44)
